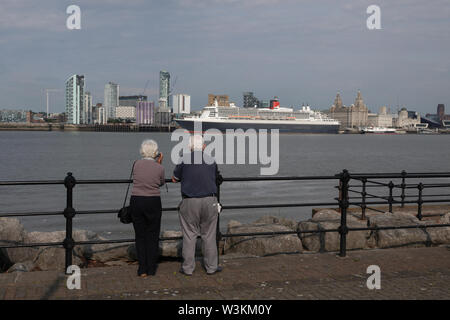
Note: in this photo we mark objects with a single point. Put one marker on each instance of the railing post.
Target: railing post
(390, 199)
(69, 213)
(403, 185)
(419, 202)
(219, 180)
(343, 205)
(364, 194)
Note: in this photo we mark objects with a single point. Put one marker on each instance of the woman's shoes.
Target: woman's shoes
(143, 275)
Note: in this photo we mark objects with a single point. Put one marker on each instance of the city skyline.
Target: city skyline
(300, 52)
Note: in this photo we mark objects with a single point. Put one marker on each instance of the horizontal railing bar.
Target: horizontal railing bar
(436, 185)
(24, 183)
(117, 210)
(26, 214)
(235, 179)
(233, 207)
(400, 227)
(55, 213)
(113, 181)
(261, 206)
(275, 178)
(397, 201)
(30, 245)
(398, 175)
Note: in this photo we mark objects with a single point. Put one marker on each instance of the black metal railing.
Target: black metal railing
(343, 201)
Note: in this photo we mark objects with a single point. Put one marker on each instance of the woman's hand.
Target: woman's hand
(160, 158)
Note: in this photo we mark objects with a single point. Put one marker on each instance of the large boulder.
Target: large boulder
(12, 232)
(25, 266)
(53, 258)
(261, 245)
(171, 248)
(291, 224)
(109, 252)
(330, 241)
(327, 215)
(391, 238)
(439, 235)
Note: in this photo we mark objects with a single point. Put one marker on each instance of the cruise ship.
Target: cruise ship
(232, 117)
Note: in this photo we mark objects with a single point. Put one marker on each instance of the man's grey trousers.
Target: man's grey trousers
(198, 217)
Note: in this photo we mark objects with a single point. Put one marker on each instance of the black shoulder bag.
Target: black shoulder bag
(125, 213)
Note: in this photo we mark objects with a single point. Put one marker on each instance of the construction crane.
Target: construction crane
(145, 88)
(46, 92)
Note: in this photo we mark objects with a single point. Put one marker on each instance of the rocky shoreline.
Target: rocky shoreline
(53, 258)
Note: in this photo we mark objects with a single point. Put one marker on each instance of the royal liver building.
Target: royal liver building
(350, 117)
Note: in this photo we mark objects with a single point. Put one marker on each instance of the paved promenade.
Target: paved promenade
(413, 273)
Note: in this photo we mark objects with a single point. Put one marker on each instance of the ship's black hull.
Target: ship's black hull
(283, 128)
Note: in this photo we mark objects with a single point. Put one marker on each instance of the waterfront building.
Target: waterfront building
(163, 116)
(74, 99)
(181, 103)
(111, 100)
(164, 89)
(380, 120)
(250, 101)
(406, 119)
(13, 115)
(441, 111)
(87, 110)
(131, 100)
(126, 112)
(440, 115)
(102, 115)
(354, 116)
(145, 113)
(222, 99)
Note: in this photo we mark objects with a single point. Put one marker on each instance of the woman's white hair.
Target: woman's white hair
(196, 142)
(149, 148)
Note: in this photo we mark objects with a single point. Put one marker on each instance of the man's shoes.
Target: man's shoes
(186, 274)
(219, 269)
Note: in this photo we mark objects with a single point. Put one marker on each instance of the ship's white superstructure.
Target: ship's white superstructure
(285, 119)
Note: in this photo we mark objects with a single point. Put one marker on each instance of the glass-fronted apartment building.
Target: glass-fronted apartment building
(164, 89)
(75, 99)
(111, 100)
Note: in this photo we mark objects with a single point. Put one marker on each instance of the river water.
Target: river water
(103, 155)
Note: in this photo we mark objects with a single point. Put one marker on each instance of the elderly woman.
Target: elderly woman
(145, 203)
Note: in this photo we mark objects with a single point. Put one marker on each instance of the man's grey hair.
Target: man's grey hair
(196, 142)
(149, 148)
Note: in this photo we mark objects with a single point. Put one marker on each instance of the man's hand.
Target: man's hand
(174, 180)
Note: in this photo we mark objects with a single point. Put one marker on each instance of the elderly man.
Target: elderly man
(198, 210)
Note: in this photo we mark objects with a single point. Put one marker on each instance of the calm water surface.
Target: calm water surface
(101, 155)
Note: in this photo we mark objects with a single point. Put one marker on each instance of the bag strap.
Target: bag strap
(128, 188)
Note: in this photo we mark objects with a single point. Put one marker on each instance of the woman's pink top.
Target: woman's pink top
(148, 176)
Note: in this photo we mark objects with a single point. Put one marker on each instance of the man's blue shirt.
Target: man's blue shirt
(197, 180)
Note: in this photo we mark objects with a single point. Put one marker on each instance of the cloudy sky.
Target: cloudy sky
(299, 50)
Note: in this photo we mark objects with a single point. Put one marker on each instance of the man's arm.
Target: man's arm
(177, 173)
